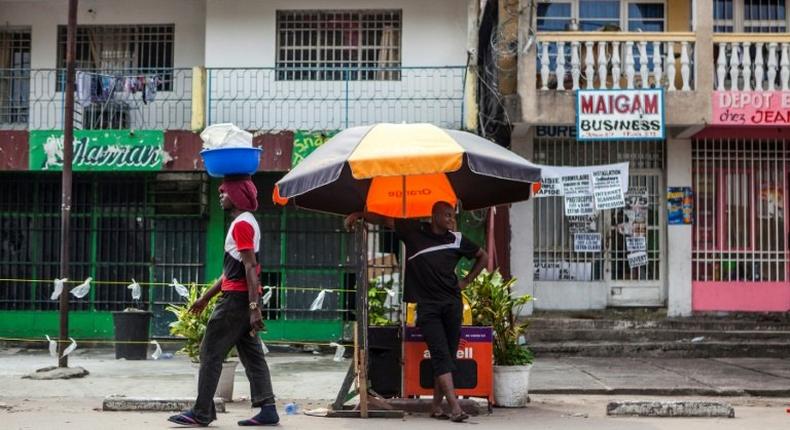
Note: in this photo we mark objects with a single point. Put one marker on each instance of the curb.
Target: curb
(154, 404)
(712, 392)
(670, 409)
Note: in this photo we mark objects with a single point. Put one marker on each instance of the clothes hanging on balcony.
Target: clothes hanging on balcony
(149, 92)
(99, 88)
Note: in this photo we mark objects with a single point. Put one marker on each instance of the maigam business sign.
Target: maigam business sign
(620, 114)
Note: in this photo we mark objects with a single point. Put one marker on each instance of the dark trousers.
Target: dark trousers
(440, 324)
(229, 326)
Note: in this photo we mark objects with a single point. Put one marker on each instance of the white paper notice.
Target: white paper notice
(607, 189)
(582, 205)
(637, 259)
(550, 187)
(577, 185)
(587, 242)
(635, 244)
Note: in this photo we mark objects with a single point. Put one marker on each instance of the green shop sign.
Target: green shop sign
(305, 142)
(99, 150)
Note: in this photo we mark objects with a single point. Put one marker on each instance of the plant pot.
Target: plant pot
(226, 378)
(132, 327)
(511, 386)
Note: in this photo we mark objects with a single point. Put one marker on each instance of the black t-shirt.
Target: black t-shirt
(431, 261)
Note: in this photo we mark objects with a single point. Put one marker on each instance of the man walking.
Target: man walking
(432, 253)
(237, 318)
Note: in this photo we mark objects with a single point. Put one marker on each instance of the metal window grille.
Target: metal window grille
(740, 228)
(122, 49)
(555, 259)
(750, 16)
(14, 76)
(338, 45)
(123, 226)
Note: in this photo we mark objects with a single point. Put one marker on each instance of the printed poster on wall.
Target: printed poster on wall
(607, 190)
(635, 243)
(634, 221)
(98, 150)
(620, 114)
(637, 259)
(578, 194)
(583, 224)
(305, 142)
(680, 203)
(551, 176)
(587, 242)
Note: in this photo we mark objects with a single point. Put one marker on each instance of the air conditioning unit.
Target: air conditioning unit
(111, 115)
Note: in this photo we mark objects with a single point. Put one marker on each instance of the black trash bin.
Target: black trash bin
(132, 327)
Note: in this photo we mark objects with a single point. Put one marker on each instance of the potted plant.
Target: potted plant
(493, 304)
(192, 327)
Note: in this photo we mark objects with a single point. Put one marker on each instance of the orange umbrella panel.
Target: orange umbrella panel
(409, 196)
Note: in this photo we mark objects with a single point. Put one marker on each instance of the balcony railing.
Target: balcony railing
(264, 98)
(253, 98)
(604, 60)
(33, 99)
(752, 62)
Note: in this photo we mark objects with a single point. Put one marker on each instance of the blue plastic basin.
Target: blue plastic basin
(231, 161)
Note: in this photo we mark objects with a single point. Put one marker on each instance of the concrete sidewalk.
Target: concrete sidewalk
(307, 376)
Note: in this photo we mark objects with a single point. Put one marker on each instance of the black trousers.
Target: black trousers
(440, 324)
(229, 326)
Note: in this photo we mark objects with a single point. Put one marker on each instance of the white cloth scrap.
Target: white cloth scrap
(58, 288)
(53, 347)
(136, 291)
(318, 303)
(180, 289)
(82, 289)
(158, 352)
(339, 351)
(69, 349)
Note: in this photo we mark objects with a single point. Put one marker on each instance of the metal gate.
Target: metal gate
(740, 228)
(555, 259)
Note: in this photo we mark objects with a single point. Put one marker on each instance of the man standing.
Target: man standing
(432, 253)
(236, 318)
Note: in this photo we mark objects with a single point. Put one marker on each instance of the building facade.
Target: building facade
(151, 75)
(724, 71)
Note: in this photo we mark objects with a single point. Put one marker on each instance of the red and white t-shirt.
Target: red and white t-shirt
(243, 235)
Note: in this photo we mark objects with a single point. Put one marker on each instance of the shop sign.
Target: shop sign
(305, 142)
(751, 108)
(98, 150)
(620, 114)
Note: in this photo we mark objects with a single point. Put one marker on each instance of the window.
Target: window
(554, 16)
(338, 45)
(645, 17)
(14, 76)
(595, 15)
(122, 49)
(750, 16)
(601, 15)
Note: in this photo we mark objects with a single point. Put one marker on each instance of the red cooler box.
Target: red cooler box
(474, 375)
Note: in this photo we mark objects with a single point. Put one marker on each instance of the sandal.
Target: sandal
(459, 418)
(439, 416)
(186, 419)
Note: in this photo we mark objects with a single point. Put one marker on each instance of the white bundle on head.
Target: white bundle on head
(225, 135)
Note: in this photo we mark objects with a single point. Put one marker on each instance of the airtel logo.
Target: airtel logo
(464, 353)
(413, 193)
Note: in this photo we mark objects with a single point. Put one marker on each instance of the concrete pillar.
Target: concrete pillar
(472, 40)
(527, 66)
(522, 246)
(198, 122)
(679, 237)
(703, 55)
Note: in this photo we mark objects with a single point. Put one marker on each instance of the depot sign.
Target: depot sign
(620, 114)
(756, 108)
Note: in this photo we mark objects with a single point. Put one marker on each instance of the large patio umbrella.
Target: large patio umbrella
(401, 170)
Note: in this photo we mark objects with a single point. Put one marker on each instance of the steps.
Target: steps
(650, 334)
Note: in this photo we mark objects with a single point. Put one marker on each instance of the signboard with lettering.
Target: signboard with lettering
(552, 177)
(637, 259)
(98, 150)
(620, 114)
(635, 243)
(755, 108)
(305, 142)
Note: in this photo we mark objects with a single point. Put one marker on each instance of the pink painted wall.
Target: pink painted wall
(741, 296)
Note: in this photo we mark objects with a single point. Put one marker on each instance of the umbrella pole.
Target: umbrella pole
(361, 344)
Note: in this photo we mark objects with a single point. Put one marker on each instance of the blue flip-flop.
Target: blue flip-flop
(187, 419)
